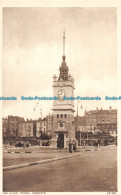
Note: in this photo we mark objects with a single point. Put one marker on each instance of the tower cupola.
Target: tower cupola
(63, 68)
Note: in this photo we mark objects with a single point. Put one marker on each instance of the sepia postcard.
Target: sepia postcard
(60, 97)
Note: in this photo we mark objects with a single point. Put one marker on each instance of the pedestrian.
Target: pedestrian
(84, 143)
(58, 143)
(98, 143)
(74, 145)
(70, 146)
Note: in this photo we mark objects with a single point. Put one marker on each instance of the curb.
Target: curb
(17, 152)
(96, 149)
(92, 149)
(38, 162)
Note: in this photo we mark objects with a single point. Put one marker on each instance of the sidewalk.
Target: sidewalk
(40, 162)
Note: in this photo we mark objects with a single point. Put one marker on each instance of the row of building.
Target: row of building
(92, 121)
(98, 120)
(15, 126)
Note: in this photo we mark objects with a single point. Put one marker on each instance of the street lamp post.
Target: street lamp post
(87, 134)
(34, 109)
(85, 127)
(77, 126)
(78, 132)
(84, 131)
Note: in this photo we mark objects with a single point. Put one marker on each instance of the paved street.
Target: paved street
(93, 171)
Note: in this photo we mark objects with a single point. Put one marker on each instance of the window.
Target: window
(65, 116)
(57, 115)
(61, 115)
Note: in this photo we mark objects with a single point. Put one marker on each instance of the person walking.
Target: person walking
(74, 145)
(70, 146)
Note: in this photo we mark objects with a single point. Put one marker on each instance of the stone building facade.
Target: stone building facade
(44, 125)
(98, 120)
(107, 121)
(80, 123)
(11, 126)
(38, 128)
(5, 127)
(91, 120)
(49, 124)
(26, 129)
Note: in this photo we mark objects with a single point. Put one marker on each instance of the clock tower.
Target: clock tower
(63, 110)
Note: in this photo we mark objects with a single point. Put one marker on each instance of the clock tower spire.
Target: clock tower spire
(64, 46)
(63, 68)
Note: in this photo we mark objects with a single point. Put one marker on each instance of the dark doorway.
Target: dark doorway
(60, 140)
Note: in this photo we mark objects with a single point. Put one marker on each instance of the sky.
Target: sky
(33, 49)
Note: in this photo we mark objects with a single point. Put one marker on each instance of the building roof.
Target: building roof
(44, 119)
(101, 111)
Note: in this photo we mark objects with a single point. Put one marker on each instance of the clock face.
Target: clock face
(61, 94)
(61, 124)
